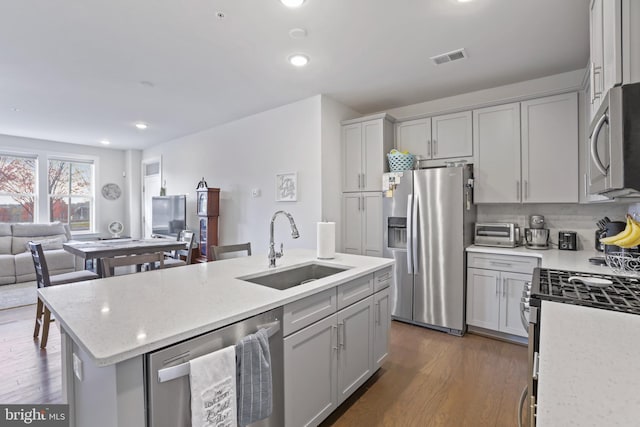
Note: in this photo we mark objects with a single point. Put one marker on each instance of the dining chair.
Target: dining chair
(216, 251)
(153, 260)
(186, 236)
(44, 280)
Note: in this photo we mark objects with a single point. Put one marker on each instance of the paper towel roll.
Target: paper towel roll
(326, 240)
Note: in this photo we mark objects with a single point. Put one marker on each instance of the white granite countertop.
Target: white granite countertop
(552, 258)
(589, 372)
(121, 317)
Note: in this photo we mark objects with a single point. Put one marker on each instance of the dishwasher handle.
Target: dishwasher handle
(183, 369)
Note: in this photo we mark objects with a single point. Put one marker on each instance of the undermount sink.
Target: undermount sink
(286, 279)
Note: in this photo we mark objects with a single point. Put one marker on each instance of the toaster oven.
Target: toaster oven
(506, 235)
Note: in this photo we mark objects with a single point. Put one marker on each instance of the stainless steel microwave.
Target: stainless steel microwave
(614, 136)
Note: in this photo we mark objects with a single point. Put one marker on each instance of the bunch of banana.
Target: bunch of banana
(627, 238)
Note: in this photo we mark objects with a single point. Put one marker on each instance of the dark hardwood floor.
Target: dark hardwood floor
(430, 378)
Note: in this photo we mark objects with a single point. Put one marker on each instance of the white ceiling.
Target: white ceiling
(73, 68)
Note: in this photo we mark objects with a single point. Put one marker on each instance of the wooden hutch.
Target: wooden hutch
(208, 208)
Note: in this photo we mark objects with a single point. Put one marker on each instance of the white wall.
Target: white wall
(244, 155)
(333, 113)
(109, 166)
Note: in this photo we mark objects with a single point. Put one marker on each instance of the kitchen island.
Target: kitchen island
(109, 325)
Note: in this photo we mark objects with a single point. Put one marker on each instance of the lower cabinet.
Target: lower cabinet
(381, 324)
(311, 373)
(493, 300)
(330, 359)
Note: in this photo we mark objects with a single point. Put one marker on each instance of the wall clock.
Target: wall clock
(111, 191)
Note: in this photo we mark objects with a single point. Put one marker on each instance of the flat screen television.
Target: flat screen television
(168, 215)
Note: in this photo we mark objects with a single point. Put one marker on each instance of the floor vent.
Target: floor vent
(454, 55)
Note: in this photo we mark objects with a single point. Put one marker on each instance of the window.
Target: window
(71, 193)
(17, 188)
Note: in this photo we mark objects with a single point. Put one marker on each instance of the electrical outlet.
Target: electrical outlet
(77, 366)
(256, 192)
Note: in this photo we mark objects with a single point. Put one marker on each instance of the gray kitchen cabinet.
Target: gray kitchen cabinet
(355, 347)
(614, 46)
(549, 131)
(496, 136)
(511, 293)
(354, 291)
(362, 223)
(483, 302)
(311, 373)
(494, 288)
(528, 152)
(365, 142)
(381, 325)
(438, 138)
(328, 359)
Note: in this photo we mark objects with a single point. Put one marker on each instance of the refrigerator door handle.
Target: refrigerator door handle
(414, 236)
(409, 234)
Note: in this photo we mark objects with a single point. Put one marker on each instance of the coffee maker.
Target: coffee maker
(536, 236)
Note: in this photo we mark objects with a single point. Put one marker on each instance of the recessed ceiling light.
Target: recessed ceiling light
(15, 109)
(299, 60)
(105, 142)
(292, 3)
(141, 126)
(464, 1)
(147, 83)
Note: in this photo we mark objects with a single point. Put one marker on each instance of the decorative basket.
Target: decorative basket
(626, 263)
(399, 162)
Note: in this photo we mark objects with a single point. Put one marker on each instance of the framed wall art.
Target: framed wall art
(287, 187)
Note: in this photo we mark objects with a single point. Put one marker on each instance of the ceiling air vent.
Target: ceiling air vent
(449, 56)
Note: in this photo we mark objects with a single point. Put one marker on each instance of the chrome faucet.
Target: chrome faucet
(273, 255)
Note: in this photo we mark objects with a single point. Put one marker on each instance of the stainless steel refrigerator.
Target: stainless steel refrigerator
(428, 224)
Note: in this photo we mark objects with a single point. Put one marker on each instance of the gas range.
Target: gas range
(622, 294)
(606, 291)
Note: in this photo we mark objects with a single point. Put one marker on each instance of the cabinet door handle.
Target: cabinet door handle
(497, 286)
(526, 189)
(363, 181)
(335, 328)
(504, 287)
(341, 335)
(503, 264)
(593, 82)
(435, 148)
(428, 148)
(596, 93)
(379, 314)
(517, 190)
(376, 313)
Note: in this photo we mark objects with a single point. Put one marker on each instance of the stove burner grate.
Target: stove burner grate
(623, 295)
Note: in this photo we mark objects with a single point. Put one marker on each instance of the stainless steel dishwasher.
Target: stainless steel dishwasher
(168, 400)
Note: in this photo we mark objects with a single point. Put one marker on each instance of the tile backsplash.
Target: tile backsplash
(563, 216)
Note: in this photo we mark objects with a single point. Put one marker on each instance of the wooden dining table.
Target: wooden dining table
(98, 249)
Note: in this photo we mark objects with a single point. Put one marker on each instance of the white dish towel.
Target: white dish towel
(213, 389)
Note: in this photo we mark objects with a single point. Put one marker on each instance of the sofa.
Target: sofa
(16, 264)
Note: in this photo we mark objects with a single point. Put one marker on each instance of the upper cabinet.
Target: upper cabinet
(527, 152)
(549, 131)
(365, 144)
(614, 46)
(496, 134)
(439, 138)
